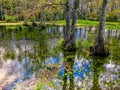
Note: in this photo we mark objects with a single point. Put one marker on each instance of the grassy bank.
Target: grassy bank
(109, 25)
(3, 23)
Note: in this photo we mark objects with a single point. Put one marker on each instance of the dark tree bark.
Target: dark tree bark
(69, 32)
(67, 29)
(99, 47)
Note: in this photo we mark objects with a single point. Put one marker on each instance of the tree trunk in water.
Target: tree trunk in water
(67, 29)
(99, 48)
(69, 32)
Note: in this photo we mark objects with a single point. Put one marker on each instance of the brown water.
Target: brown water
(30, 57)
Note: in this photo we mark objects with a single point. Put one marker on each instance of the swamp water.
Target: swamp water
(30, 59)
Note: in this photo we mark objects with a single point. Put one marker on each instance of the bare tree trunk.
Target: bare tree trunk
(69, 32)
(74, 17)
(99, 48)
(67, 29)
(100, 39)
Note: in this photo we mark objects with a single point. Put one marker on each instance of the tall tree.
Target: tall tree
(69, 32)
(99, 47)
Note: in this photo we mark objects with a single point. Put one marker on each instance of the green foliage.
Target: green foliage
(10, 18)
(9, 55)
(113, 16)
(85, 43)
(60, 42)
(52, 10)
(40, 86)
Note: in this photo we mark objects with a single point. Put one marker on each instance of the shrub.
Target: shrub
(11, 18)
(113, 15)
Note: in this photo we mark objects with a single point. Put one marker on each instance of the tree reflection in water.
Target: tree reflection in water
(25, 54)
(97, 67)
(68, 70)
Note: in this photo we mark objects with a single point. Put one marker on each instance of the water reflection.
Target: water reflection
(97, 66)
(68, 71)
(15, 68)
(114, 33)
(28, 52)
(74, 72)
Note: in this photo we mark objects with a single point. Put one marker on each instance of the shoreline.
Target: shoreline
(79, 23)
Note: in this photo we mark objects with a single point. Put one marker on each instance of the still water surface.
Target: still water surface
(29, 56)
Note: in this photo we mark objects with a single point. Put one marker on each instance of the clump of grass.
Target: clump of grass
(60, 42)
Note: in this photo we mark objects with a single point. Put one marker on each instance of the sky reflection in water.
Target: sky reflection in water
(31, 52)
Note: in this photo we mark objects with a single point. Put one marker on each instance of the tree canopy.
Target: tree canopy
(15, 10)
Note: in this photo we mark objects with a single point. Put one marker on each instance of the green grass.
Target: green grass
(3, 23)
(109, 25)
(10, 23)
